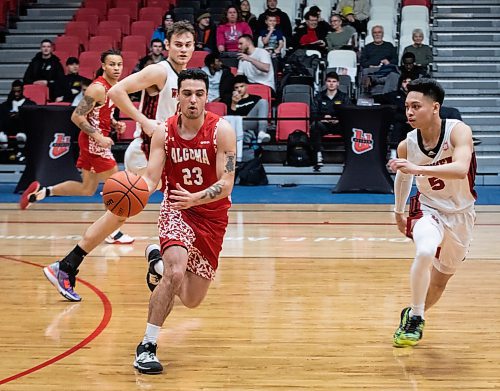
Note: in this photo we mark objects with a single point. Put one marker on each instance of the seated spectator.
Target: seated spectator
(309, 35)
(243, 104)
(255, 63)
(423, 53)
(72, 80)
(161, 32)
(409, 68)
(356, 13)
(341, 37)
(45, 68)
(322, 23)
(205, 33)
(10, 123)
(155, 55)
(79, 97)
(378, 52)
(247, 16)
(282, 19)
(272, 37)
(220, 78)
(230, 30)
(324, 113)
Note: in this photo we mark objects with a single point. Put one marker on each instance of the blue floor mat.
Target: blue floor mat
(274, 194)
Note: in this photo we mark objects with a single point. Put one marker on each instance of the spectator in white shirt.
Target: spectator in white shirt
(255, 63)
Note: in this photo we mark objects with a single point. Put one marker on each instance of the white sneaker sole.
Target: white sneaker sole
(146, 371)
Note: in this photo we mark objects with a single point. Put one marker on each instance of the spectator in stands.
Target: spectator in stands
(161, 32)
(272, 37)
(72, 80)
(309, 35)
(230, 30)
(324, 111)
(253, 106)
(10, 123)
(79, 97)
(341, 37)
(255, 63)
(155, 55)
(205, 32)
(322, 23)
(409, 68)
(400, 125)
(356, 13)
(378, 52)
(220, 78)
(247, 16)
(45, 68)
(423, 53)
(282, 19)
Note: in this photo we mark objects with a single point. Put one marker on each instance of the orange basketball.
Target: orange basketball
(125, 194)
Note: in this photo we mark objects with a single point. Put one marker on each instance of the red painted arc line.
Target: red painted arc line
(249, 223)
(106, 317)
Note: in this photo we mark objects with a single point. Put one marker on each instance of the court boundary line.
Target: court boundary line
(106, 317)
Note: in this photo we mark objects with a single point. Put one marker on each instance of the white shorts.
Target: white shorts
(456, 231)
(135, 158)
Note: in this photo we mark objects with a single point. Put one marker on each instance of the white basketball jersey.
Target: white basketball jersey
(446, 195)
(166, 105)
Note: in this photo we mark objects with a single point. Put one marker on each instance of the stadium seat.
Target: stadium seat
(263, 91)
(100, 43)
(90, 59)
(342, 59)
(130, 59)
(62, 55)
(58, 104)
(80, 30)
(124, 21)
(88, 11)
(38, 93)
(426, 3)
(154, 14)
(114, 33)
(132, 6)
(291, 110)
(100, 5)
(135, 43)
(129, 131)
(218, 108)
(68, 44)
(88, 71)
(92, 20)
(298, 93)
(144, 28)
(197, 60)
(415, 12)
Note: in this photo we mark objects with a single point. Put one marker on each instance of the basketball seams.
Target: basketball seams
(128, 188)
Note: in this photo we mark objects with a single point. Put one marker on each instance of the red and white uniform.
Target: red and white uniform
(159, 107)
(447, 204)
(192, 164)
(93, 157)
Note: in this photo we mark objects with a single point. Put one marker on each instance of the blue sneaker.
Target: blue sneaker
(63, 281)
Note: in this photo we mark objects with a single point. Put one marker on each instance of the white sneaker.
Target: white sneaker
(119, 238)
(263, 137)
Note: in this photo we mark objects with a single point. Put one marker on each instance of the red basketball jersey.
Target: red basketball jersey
(192, 163)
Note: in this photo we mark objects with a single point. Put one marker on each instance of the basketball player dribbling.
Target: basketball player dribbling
(440, 154)
(94, 117)
(162, 78)
(195, 153)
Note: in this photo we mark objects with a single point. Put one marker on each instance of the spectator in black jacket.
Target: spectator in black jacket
(324, 111)
(378, 52)
(282, 19)
(46, 68)
(72, 80)
(311, 35)
(205, 32)
(220, 78)
(155, 55)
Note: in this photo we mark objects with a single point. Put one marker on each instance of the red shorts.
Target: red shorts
(200, 235)
(94, 163)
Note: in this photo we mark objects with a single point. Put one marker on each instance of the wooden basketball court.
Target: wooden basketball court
(306, 298)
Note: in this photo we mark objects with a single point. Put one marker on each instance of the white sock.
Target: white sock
(151, 334)
(417, 310)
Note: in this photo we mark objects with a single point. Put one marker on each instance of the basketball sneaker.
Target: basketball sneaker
(146, 361)
(63, 281)
(411, 333)
(119, 238)
(153, 256)
(29, 195)
(405, 313)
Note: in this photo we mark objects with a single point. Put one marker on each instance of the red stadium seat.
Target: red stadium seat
(88, 11)
(197, 60)
(88, 71)
(62, 55)
(124, 21)
(80, 30)
(130, 59)
(100, 43)
(92, 20)
(58, 104)
(135, 43)
(132, 6)
(234, 70)
(90, 59)
(144, 28)
(427, 3)
(68, 44)
(38, 93)
(154, 14)
(129, 131)
(165, 5)
(100, 5)
(263, 91)
(218, 108)
(291, 110)
(114, 33)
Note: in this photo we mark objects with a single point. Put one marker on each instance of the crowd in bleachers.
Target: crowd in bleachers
(336, 52)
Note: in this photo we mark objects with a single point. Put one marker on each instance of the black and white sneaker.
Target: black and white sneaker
(146, 360)
(153, 256)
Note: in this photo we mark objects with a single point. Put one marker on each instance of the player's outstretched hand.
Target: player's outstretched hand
(180, 198)
(401, 222)
(404, 166)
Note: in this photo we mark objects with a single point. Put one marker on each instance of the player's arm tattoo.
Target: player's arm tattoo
(230, 162)
(83, 108)
(213, 191)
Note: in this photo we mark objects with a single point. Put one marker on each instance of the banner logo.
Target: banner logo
(361, 142)
(60, 146)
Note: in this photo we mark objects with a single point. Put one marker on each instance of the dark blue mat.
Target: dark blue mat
(273, 194)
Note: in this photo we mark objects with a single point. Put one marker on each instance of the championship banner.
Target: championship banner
(365, 139)
(51, 146)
